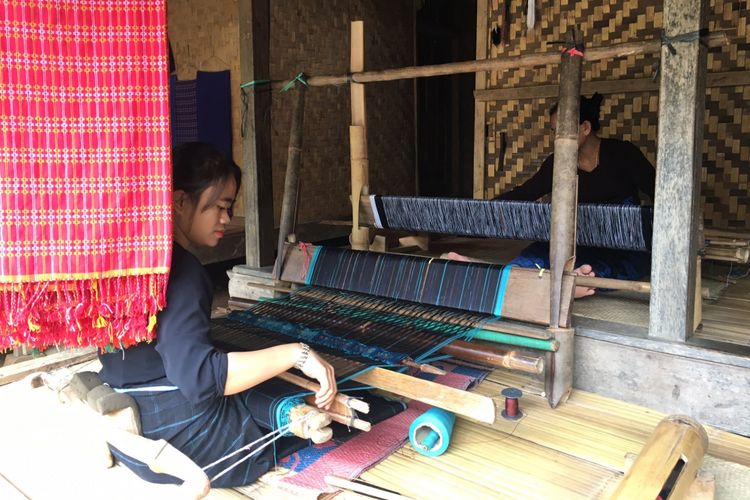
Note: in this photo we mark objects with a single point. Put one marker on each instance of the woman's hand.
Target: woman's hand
(319, 369)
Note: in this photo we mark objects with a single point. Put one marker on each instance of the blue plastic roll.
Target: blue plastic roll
(430, 433)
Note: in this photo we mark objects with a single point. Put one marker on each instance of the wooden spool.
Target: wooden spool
(677, 445)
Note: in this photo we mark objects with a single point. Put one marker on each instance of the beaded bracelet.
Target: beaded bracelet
(302, 359)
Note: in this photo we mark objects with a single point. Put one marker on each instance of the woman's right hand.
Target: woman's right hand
(319, 369)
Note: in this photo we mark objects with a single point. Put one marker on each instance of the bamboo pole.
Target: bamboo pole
(360, 175)
(677, 442)
(291, 180)
(565, 175)
(525, 61)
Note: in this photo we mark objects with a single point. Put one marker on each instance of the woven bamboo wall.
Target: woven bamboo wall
(629, 115)
(314, 37)
(204, 35)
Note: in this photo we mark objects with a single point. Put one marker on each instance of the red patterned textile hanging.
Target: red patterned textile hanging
(85, 179)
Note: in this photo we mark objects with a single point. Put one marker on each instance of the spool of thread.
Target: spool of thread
(512, 411)
(430, 433)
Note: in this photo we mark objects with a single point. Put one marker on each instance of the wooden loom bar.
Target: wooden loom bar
(460, 402)
(525, 61)
(565, 174)
(494, 356)
(521, 302)
(291, 179)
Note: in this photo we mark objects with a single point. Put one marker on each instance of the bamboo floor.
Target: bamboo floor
(574, 451)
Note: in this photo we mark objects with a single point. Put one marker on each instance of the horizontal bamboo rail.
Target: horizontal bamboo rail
(524, 61)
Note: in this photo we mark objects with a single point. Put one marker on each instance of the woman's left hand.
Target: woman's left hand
(319, 369)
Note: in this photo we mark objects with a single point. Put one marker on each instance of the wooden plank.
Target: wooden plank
(464, 403)
(480, 108)
(522, 297)
(254, 26)
(17, 371)
(678, 170)
(724, 79)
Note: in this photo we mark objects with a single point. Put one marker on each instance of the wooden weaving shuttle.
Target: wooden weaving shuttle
(464, 403)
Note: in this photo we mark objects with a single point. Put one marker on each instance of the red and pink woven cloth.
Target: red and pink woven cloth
(85, 175)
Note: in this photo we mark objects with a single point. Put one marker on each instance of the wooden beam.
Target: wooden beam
(562, 238)
(291, 178)
(480, 108)
(713, 80)
(678, 168)
(524, 297)
(17, 371)
(254, 22)
(464, 403)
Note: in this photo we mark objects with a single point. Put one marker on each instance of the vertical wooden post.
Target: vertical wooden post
(565, 174)
(678, 162)
(255, 20)
(480, 107)
(291, 178)
(360, 238)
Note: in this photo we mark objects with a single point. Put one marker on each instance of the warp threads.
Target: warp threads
(625, 227)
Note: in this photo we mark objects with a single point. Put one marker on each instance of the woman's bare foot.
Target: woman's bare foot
(456, 256)
(584, 291)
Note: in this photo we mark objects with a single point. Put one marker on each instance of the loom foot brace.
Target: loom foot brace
(558, 379)
(119, 425)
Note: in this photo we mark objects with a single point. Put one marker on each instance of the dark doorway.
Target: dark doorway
(445, 32)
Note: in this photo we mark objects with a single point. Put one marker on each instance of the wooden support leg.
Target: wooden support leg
(669, 460)
(558, 380)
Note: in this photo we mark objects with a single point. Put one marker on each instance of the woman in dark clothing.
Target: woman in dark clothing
(188, 393)
(609, 171)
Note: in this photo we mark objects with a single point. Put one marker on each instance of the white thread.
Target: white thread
(281, 431)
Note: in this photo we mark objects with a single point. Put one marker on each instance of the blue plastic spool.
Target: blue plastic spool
(430, 433)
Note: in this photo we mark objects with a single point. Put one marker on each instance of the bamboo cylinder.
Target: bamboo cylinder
(360, 237)
(506, 338)
(291, 179)
(494, 356)
(678, 441)
(565, 175)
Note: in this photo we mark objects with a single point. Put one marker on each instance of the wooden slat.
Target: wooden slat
(464, 403)
(18, 371)
(522, 297)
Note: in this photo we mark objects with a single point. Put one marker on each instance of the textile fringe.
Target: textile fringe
(105, 313)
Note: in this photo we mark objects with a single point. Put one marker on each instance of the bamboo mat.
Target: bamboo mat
(574, 451)
(727, 319)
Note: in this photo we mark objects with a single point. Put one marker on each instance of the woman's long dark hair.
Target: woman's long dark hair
(196, 166)
(589, 110)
